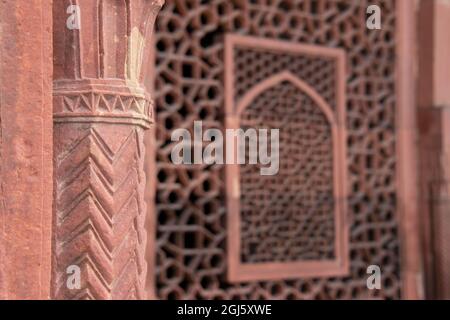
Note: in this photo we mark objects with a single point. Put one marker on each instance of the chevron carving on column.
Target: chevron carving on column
(100, 211)
(101, 109)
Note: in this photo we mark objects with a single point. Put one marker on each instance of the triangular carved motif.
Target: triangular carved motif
(95, 101)
(70, 102)
(85, 103)
(111, 101)
(137, 105)
(127, 101)
(103, 104)
(120, 105)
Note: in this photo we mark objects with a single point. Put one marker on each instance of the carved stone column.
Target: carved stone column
(101, 110)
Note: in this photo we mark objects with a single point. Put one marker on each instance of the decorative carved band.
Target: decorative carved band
(98, 102)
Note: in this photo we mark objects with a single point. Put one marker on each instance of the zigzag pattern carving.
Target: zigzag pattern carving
(100, 211)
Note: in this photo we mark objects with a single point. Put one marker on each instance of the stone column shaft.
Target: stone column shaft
(101, 111)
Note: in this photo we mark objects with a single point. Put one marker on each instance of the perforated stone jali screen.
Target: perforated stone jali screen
(191, 201)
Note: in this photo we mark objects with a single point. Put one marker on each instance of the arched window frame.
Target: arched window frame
(339, 266)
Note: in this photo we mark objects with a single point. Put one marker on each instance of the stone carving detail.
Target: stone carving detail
(100, 213)
(101, 110)
(191, 206)
(116, 106)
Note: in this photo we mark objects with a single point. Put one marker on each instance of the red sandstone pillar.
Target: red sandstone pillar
(25, 149)
(101, 110)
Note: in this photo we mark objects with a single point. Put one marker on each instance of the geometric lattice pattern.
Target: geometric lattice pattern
(253, 66)
(190, 201)
(289, 216)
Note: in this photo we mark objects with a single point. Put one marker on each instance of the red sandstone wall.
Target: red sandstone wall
(25, 149)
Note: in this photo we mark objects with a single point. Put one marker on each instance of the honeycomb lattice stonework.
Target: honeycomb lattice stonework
(191, 204)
